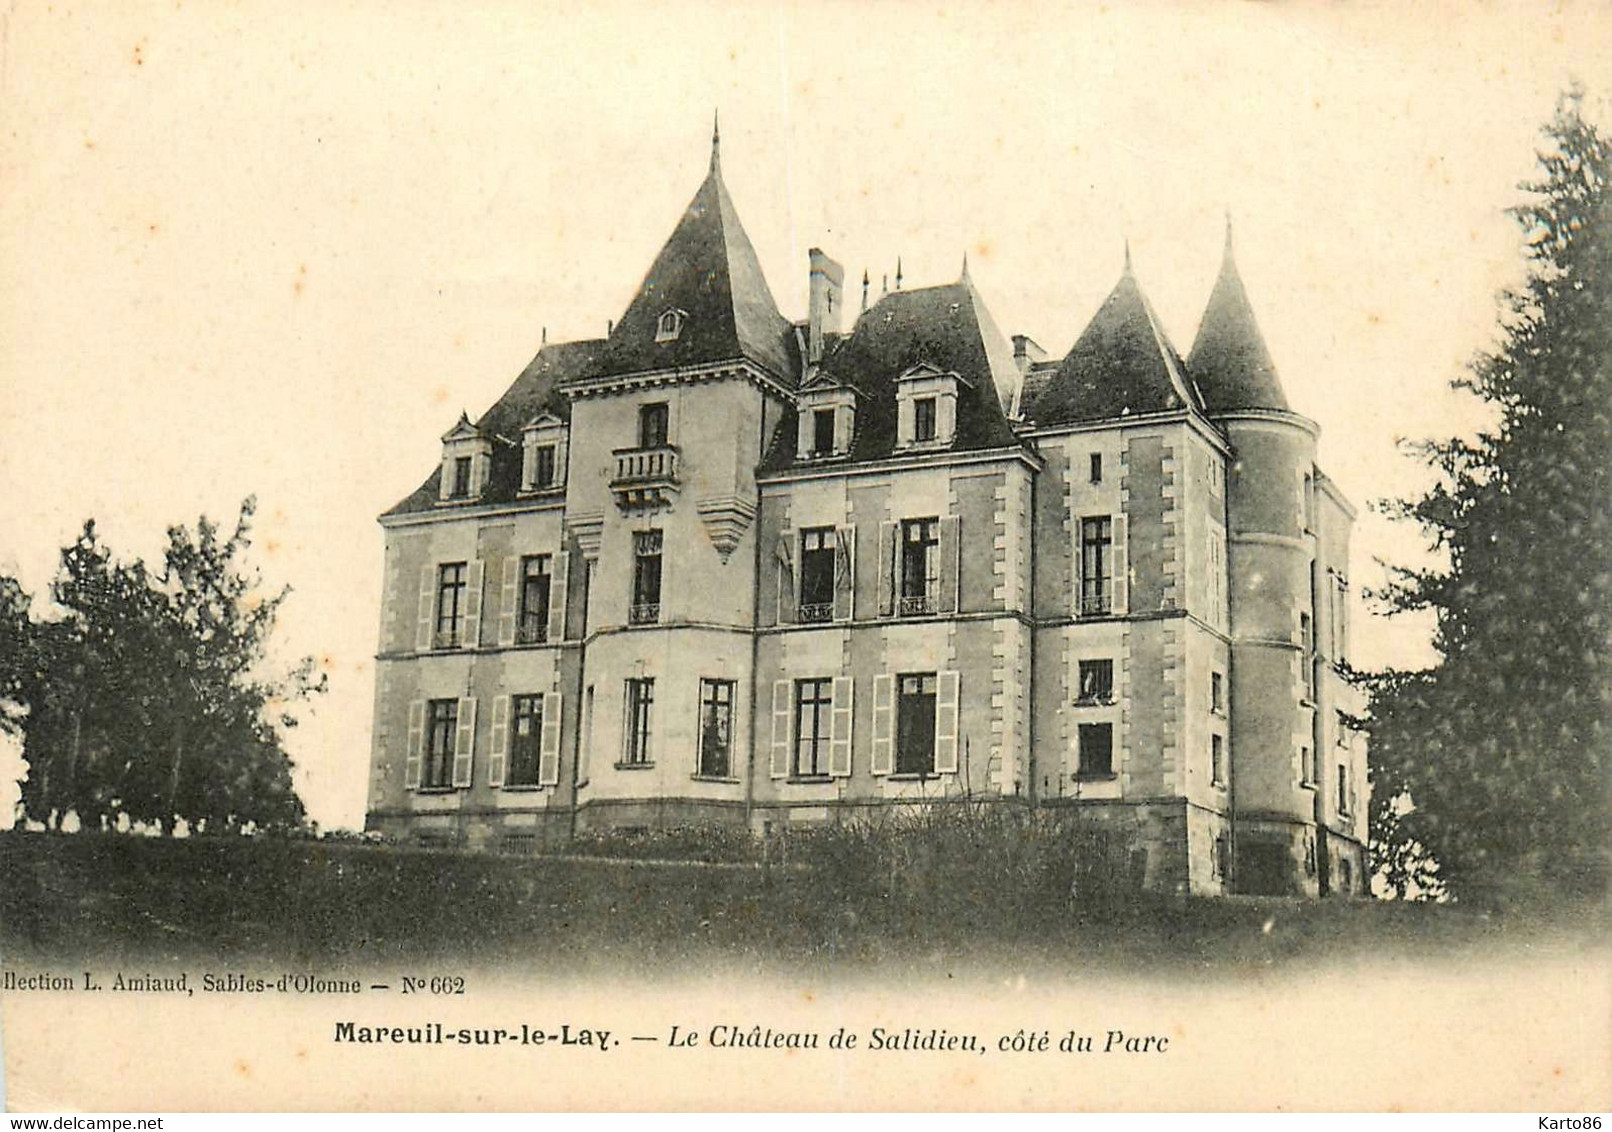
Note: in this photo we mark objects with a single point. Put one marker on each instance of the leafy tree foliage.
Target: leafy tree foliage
(1494, 763)
(150, 698)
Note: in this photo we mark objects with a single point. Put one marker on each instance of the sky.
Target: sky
(275, 249)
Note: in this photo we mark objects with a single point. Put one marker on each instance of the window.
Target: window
(1346, 875)
(1096, 565)
(1217, 693)
(1096, 682)
(1096, 467)
(525, 740)
(920, 566)
(543, 475)
(1307, 656)
(923, 419)
(716, 729)
(1217, 760)
(452, 590)
(461, 478)
(1306, 766)
(652, 421)
(1341, 722)
(437, 771)
(814, 704)
(668, 326)
(535, 590)
(640, 704)
(817, 574)
(1343, 789)
(1096, 751)
(646, 547)
(823, 432)
(1222, 856)
(915, 725)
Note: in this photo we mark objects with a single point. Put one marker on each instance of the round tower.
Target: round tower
(1270, 554)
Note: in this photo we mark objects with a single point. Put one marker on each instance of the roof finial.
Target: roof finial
(898, 273)
(964, 277)
(1228, 233)
(884, 285)
(716, 140)
(545, 341)
(1127, 255)
(864, 288)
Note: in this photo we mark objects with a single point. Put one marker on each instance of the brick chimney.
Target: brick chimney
(823, 303)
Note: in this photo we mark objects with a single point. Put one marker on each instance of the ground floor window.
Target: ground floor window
(436, 772)
(716, 728)
(1096, 750)
(640, 704)
(915, 724)
(525, 740)
(814, 704)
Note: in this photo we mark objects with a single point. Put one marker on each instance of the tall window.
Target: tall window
(1097, 565)
(1096, 467)
(452, 588)
(923, 419)
(646, 547)
(652, 425)
(461, 477)
(1343, 788)
(543, 475)
(525, 740)
(920, 565)
(640, 705)
(1306, 766)
(915, 724)
(1217, 693)
(1096, 750)
(823, 432)
(716, 728)
(1096, 682)
(814, 702)
(817, 574)
(1307, 655)
(436, 771)
(1217, 759)
(535, 584)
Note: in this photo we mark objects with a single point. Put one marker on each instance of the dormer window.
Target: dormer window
(669, 325)
(827, 421)
(466, 463)
(543, 450)
(926, 407)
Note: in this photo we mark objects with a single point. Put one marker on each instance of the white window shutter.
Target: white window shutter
(476, 583)
(428, 581)
(1122, 566)
(884, 719)
(548, 759)
(785, 553)
(528, 461)
(481, 471)
(445, 487)
(887, 569)
(950, 561)
(946, 708)
(780, 728)
(416, 749)
(844, 421)
(464, 745)
(844, 572)
(839, 747)
(498, 744)
(803, 433)
(508, 600)
(559, 590)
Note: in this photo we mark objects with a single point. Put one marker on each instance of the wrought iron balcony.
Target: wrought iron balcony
(644, 613)
(645, 477)
(919, 606)
(816, 611)
(1095, 604)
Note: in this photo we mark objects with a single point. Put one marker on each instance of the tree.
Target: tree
(1493, 763)
(151, 698)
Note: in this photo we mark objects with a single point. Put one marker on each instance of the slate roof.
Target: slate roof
(535, 391)
(707, 269)
(1121, 365)
(946, 326)
(1229, 357)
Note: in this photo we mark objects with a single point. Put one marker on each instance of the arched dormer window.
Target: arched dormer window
(669, 325)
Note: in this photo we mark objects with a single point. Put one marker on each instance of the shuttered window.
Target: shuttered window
(453, 583)
(441, 734)
(536, 588)
(814, 703)
(525, 739)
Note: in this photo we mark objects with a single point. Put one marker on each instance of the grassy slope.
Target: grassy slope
(323, 907)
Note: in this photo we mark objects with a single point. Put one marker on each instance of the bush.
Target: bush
(708, 842)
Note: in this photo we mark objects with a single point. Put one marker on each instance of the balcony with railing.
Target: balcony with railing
(644, 613)
(816, 611)
(915, 605)
(1096, 603)
(644, 477)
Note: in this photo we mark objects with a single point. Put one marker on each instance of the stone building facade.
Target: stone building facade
(719, 566)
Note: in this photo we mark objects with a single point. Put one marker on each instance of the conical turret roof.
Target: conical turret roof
(708, 274)
(1229, 358)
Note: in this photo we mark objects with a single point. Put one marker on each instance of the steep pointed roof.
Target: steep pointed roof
(1121, 365)
(946, 327)
(708, 271)
(1229, 358)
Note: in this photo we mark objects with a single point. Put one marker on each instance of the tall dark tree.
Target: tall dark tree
(1494, 763)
